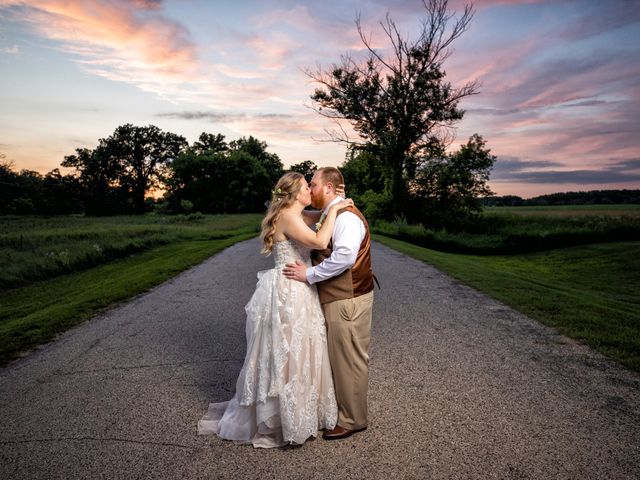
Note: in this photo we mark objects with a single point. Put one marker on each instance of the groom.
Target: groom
(344, 280)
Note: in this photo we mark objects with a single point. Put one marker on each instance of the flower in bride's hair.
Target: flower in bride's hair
(277, 194)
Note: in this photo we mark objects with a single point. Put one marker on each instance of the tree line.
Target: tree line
(209, 176)
(30, 192)
(212, 176)
(591, 197)
(116, 177)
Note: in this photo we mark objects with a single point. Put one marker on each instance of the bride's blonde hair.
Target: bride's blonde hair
(283, 196)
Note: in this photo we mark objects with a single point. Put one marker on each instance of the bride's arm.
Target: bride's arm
(311, 217)
(294, 227)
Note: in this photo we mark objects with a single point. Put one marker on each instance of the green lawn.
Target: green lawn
(38, 310)
(590, 293)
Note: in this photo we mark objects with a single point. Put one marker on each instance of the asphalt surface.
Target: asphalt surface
(461, 386)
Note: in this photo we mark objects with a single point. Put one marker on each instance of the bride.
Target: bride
(284, 392)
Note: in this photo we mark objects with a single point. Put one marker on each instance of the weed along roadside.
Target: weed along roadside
(55, 294)
(40, 248)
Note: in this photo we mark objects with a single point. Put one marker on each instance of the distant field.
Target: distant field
(56, 272)
(514, 230)
(568, 210)
(590, 292)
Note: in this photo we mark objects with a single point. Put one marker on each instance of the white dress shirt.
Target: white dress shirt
(348, 233)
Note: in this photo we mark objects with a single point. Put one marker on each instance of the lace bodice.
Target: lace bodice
(288, 251)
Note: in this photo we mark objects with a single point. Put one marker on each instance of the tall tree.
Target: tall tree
(306, 168)
(219, 183)
(209, 143)
(258, 150)
(8, 184)
(364, 177)
(143, 153)
(101, 179)
(399, 104)
(449, 190)
(120, 171)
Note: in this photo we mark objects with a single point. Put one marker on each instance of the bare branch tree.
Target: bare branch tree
(399, 104)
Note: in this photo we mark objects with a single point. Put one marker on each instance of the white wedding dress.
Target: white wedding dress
(284, 392)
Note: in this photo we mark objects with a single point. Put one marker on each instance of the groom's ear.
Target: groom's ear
(330, 186)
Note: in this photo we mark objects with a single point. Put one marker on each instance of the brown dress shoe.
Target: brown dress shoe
(340, 432)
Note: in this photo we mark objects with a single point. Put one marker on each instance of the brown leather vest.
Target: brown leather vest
(354, 281)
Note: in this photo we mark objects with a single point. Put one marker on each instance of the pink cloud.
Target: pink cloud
(314, 31)
(271, 51)
(133, 42)
(129, 39)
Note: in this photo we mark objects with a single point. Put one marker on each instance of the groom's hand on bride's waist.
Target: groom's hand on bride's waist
(295, 271)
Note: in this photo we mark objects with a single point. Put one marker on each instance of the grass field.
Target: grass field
(629, 210)
(512, 230)
(590, 293)
(39, 248)
(46, 294)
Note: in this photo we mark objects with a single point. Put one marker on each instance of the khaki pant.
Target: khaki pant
(348, 335)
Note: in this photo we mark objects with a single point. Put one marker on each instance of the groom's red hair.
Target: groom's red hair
(331, 175)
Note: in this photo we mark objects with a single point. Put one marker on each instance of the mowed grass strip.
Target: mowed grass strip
(34, 314)
(590, 293)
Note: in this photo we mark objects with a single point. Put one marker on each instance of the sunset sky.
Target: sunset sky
(559, 101)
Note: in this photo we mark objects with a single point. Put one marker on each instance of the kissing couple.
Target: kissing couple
(308, 322)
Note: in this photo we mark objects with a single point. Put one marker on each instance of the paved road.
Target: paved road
(461, 387)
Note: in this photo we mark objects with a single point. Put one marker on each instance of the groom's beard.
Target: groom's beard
(317, 201)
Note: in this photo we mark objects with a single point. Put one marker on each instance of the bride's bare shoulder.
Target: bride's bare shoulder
(285, 221)
(287, 216)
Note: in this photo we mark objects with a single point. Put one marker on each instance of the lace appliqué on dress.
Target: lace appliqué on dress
(284, 392)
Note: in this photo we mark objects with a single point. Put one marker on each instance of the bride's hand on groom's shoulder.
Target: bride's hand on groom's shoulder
(347, 202)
